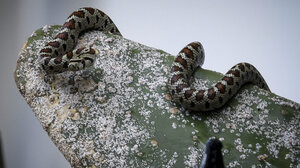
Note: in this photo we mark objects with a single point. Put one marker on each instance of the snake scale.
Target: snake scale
(58, 55)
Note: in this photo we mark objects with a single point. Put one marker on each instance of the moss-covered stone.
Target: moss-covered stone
(118, 113)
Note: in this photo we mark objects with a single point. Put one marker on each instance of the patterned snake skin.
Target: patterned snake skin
(191, 57)
(58, 55)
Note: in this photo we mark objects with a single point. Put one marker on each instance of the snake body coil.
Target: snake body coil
(58, 55)
(191, 57)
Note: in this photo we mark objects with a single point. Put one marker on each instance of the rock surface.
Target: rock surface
(119, 113)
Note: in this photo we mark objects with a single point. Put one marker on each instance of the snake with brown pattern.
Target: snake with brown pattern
(186, 62)
(58, 55)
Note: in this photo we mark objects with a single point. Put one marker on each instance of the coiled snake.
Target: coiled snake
(58, 56)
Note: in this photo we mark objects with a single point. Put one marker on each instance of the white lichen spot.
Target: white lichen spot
(129, 79)
(216, 131)
(128, 114)
(30, 60)
(262, 157)
(262, 105)
(174, 125)
(46, 28)
(109, 40)
(135, 148)
(258, 146)
(101, 86)
(112, 90)
(52, 98)
(76, 116)
(33, 34)
(150, 103)
(101, 100)
(140, 154)
(287, 156)
(234, 164)
(164, 88)
(243, 156)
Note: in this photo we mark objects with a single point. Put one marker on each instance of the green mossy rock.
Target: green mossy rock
(118, 112)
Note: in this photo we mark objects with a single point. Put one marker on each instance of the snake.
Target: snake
(183, 67)
(58, 55)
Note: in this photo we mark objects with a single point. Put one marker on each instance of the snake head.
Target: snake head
(82, 57)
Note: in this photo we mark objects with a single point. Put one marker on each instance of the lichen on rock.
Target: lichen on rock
(118, 113)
